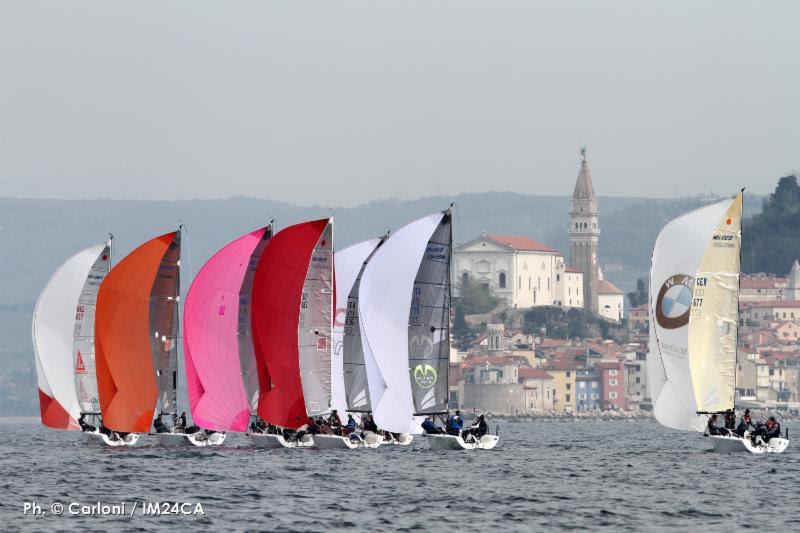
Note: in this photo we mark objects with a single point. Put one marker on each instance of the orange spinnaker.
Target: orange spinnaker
(126, 380)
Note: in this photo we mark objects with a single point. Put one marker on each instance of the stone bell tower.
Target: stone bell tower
(584, 234)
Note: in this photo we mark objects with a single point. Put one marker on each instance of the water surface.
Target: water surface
(614, 475)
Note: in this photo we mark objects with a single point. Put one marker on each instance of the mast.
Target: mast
(738, 296)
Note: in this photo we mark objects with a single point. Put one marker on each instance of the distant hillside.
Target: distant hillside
(37, 235)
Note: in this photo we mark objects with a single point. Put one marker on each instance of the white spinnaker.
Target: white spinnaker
(54, 327)
(677, 255)
(384, 303)
(346, 263)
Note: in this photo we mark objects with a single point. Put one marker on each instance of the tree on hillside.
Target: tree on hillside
(639, 296)
(770, 239)
(476, 298)
(462, 333)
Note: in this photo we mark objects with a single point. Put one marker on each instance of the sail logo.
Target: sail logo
(425, 376)
(80, 368)
(674, 302)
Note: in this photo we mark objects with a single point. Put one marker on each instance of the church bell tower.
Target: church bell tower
(584, 234)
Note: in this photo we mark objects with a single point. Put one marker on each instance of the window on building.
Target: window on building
(569, 398)
(594, 384)
(581, 396)
(612, 395)
(465, 278)
(612, 382)
(548, 284)
(558, 278)
(502, 280)
(529, 283)
(569, 386)
(594, 396)
(568, 373)
(519, 282)
(581, 384)
(612, 372)
(539, 285)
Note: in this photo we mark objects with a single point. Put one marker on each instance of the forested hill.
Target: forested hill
(772, 237)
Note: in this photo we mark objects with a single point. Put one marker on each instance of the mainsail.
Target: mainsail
(60, 320)
(429, 324)
(284, 288)
(354, 384)
(132, 302)
(693, 315)
(213, 328)
(384, 306)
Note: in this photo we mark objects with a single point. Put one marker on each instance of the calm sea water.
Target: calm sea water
(621, 475)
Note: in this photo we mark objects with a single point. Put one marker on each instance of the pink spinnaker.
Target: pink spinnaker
(217, 396)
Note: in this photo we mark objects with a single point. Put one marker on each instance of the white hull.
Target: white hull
(270, 441)
(452, 442)
(202, 439)
(98, 438)
(404, 440)
(335, 442)
(725, 444)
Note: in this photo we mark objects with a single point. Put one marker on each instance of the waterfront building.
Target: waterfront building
(612, 381)
(538, 388)
(610, 301)
(564, 374)
(588, 390)
(755, 315)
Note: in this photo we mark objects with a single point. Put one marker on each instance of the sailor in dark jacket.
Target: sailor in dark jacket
(730, 420)
(745, 424)
(712, 427)
(773, 429)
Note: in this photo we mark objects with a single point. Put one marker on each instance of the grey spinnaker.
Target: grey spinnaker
(355, 370)
(164, 326)
(429, 324)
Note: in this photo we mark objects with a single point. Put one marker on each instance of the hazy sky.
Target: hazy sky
(339, 103)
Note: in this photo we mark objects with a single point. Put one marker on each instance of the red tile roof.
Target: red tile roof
(571, 270)
(492, 360)
(522, 243)
(606, 287)
(533, 373)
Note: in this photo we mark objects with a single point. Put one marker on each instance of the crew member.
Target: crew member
(713, 429)
(730, 420)
(430, 427)
(454, 424)
(745, 424)
(773, 429)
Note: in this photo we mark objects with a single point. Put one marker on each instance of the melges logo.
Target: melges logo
(425, 376)
(674, 302)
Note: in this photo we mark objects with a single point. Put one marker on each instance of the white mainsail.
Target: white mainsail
(384, 304)
(314, 330)
(693, 315)
(54, 327)
(347, 264)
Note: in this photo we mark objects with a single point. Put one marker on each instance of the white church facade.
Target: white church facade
(523, 272)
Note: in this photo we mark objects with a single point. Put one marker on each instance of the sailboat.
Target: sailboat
(63, 341)
(221, 374)
(291, 313)
(136, 333)
(694, 302)
(346, 345)
(403, 312)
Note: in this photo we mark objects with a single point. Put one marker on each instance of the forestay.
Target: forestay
(347, 266)
(384, 306)
(678, 256)
(54, 322)
(429, 324)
